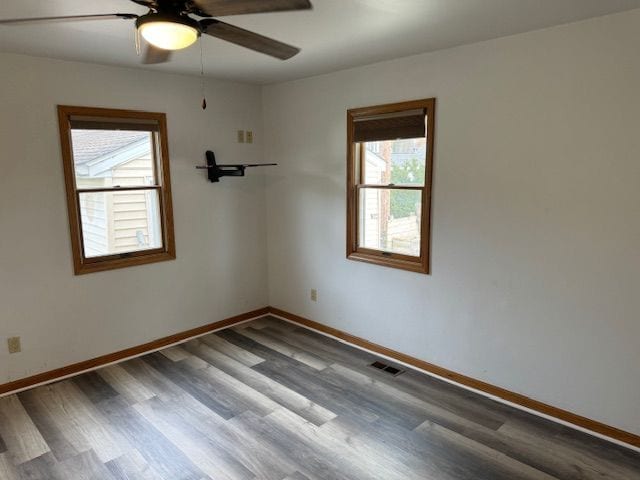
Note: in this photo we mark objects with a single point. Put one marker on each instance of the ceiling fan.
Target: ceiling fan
(169, 25)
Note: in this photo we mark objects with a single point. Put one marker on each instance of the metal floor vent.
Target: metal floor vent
(387, 368)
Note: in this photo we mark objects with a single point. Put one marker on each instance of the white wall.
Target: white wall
(536, 213)
(220, 268)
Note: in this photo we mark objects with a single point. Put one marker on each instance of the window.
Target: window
(389, 165)
(116, 167)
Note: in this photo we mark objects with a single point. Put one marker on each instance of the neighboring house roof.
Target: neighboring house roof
(96, 152)
(92, 144)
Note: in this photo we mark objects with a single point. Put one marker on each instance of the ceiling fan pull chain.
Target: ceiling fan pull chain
(204, 96)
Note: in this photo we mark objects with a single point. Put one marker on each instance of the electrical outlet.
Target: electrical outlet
(240, 136)
(13, 344)
(249, 136)
(314, 295)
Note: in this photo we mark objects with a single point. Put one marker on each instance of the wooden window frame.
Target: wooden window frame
(81, 263)
(355, 182)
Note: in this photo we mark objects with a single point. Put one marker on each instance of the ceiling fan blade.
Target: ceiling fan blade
(247, 39)
(219, 8)
(154, 55)
(70, 18)
(146, 3)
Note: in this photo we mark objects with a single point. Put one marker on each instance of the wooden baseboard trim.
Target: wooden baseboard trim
(612, 433)
(92, 364)
(564, 416)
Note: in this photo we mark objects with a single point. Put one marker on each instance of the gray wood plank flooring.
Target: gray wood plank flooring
(270, 400)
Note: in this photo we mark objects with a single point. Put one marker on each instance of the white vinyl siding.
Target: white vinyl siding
(122, 221)
(130, 210)
(370, 204)
(94, 224)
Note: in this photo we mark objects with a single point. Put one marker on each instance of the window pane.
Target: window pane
(401, 162)
(120, 222)
(106, 158)
(389, 220)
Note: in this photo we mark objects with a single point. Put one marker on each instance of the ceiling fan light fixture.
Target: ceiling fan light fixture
(168, 33)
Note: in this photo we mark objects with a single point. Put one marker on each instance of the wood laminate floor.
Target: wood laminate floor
(269, 400)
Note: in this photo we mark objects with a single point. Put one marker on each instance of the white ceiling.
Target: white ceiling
(336, 34)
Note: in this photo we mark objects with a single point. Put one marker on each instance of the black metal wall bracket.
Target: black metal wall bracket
(215, 171)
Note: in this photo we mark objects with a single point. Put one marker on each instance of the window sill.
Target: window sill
(101, 266)
(418, 265)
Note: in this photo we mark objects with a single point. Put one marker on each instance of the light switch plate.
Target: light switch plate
(249, 136)
(240, 136)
